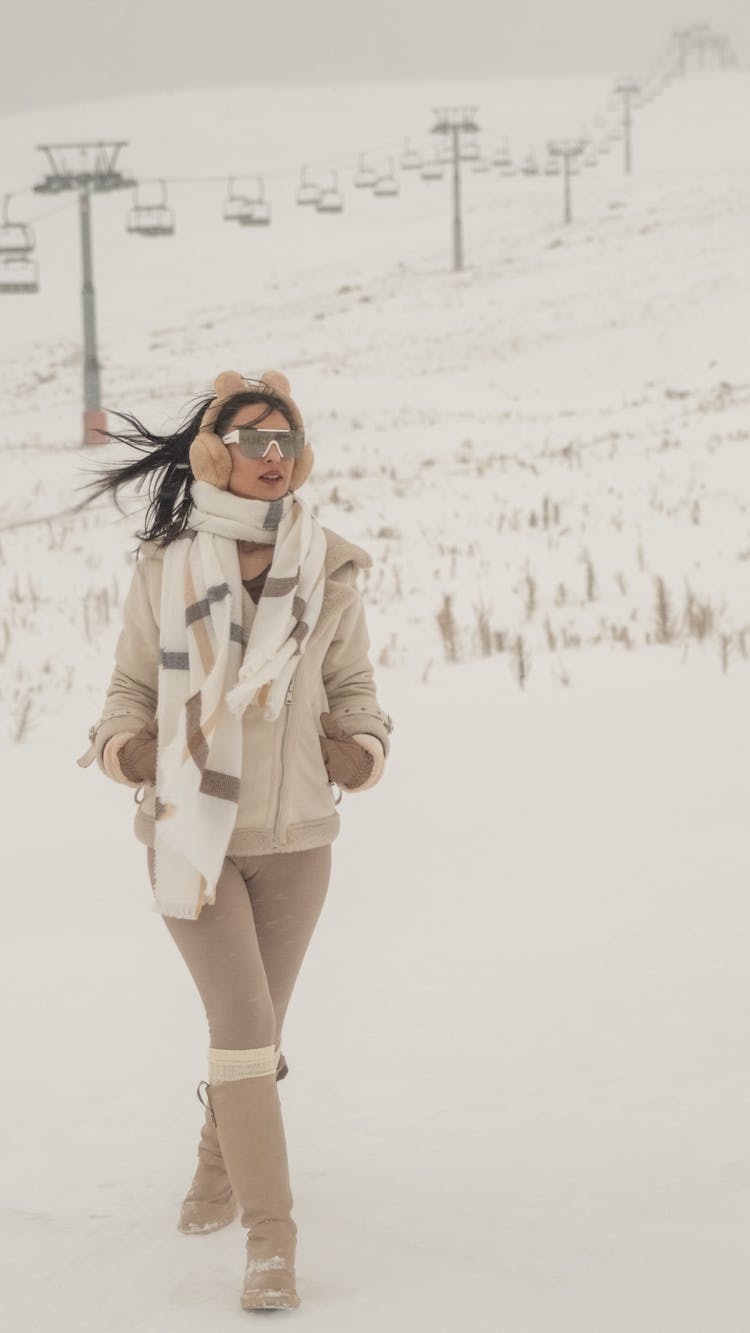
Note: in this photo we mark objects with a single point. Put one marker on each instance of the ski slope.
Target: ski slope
(518, 1089)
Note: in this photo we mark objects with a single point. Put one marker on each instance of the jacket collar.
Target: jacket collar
(341, 552)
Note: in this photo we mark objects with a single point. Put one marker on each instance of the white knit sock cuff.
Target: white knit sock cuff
(224, 1066)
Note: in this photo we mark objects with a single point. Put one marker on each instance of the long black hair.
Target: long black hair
(165, 464)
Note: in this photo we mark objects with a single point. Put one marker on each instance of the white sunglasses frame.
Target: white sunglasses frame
(234, 438)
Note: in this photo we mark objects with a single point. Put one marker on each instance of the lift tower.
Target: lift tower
(628, 89)
(454, 121)
(87, 168)
(568, 150)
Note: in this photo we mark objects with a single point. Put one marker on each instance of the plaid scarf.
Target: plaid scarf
(205, 681)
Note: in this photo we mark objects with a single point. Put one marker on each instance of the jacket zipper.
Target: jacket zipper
(287, 711)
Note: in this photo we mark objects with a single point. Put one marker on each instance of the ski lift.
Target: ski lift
(503, 160)
(411, 159)
(255, 211)
(365, 177)
(590, 156)
(481, 164)
(307, 191)
(469, 148)
(530, 164)
(331, 199)
(387, 183)
(234, 204)
(552, 165)
(432, 168)
(16, 238)
(151, 219)
(19, 273)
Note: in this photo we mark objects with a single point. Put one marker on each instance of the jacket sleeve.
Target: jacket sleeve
(348, 675)
(131, 698)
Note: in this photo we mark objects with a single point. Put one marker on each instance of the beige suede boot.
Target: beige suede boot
(248, 1119)
(209, 1203)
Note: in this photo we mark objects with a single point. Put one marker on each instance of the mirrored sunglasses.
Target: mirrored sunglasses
(255, 442)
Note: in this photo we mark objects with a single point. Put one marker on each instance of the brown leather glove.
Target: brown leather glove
(137, 758)
(347, 762)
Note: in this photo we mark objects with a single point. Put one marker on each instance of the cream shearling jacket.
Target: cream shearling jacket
(286, 801)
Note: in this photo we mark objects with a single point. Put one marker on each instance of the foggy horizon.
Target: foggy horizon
(167, 46)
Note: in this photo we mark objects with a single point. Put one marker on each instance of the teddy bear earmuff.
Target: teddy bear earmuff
(210, 459)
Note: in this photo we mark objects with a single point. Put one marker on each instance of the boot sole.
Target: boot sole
(285, 1300)
(200, 1229)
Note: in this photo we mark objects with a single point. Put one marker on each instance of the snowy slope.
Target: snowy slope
(517, 1093)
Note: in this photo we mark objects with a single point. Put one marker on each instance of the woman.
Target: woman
(242, 690)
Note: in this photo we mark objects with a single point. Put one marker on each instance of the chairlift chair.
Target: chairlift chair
(411, 159)
(308, 193)
(247, 210)
(16, 238)
(331, 199)
(151, 219)
(469, 148)
(235, 204)
(552, 165)
(432, 168)
(501, 156)
(530, 165)
(387, 183)
(503, 159)
(364, 177)
(19, 274)
(256, 212)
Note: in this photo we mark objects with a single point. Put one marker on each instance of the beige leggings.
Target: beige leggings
(245, 950)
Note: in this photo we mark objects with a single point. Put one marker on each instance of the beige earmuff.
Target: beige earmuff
(210, 459)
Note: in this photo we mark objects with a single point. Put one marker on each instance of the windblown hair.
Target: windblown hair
(165, 464)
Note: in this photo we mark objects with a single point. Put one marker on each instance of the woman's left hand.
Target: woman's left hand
(137, 757)
(348, 763)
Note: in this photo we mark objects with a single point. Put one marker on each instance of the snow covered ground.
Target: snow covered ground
(518, 1089)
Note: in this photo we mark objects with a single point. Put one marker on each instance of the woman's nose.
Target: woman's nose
(274, 445)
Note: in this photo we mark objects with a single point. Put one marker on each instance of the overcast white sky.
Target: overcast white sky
(78, 50)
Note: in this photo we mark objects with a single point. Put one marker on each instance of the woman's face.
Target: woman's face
(247, 477)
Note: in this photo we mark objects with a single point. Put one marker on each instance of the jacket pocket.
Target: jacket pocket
(310, 792)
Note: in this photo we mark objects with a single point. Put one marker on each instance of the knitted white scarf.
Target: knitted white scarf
(205, 682)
